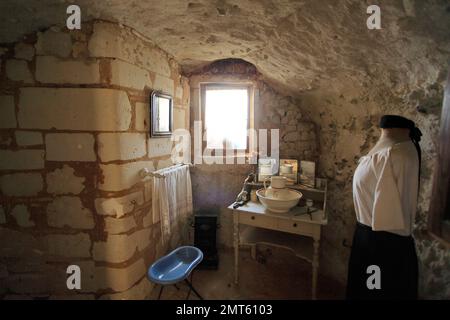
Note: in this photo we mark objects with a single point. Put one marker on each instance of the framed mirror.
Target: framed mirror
(308, 173)
(267, 167)
(161, 114)
(289, 169)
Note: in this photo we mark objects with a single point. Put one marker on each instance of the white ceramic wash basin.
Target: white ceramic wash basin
(280, 205)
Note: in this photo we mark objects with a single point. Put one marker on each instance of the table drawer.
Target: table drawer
(296, 227)
(258, 220)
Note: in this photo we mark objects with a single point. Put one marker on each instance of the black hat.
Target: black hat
(392, 121)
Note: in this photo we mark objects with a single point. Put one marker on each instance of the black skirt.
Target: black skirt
(396, 258)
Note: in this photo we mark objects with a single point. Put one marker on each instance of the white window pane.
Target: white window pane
(226, 118)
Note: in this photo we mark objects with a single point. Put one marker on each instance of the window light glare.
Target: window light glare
(226, 117)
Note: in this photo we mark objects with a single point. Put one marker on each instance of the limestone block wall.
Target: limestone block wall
(74, 129)
(216, 186)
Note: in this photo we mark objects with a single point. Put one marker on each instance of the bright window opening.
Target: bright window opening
(226, 117)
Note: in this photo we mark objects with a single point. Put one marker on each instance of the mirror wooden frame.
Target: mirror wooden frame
(154, 114)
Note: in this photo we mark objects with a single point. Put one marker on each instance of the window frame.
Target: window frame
(250, 87)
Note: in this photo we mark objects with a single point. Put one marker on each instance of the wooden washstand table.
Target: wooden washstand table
(286, 230)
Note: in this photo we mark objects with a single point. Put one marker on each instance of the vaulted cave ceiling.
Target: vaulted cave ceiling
(295, 45)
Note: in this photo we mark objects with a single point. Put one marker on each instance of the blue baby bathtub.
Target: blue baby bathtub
(176, 267)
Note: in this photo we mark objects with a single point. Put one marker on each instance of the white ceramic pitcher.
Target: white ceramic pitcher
(277, 183)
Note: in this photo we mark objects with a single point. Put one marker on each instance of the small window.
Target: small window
(226, 113)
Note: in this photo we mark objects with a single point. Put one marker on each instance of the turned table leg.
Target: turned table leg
(315, 265)
(236, 246)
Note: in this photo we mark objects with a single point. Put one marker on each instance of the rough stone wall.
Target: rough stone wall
(347, 117)
(216, 186)
(73, 136)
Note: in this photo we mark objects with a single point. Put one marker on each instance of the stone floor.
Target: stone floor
(275, 274)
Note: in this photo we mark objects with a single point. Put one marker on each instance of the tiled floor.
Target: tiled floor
(276, 274)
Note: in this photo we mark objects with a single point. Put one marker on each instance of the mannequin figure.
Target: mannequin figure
(385, 191)
(389, 137)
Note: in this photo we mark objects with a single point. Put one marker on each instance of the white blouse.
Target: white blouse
(385, 188)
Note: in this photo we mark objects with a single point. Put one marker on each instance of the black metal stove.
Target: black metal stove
(205, 227)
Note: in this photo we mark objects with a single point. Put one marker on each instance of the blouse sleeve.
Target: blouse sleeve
(387, 209)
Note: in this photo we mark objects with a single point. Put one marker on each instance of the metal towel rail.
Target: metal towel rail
(145, 172)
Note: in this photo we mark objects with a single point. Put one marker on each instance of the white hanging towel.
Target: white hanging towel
(171, 198)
